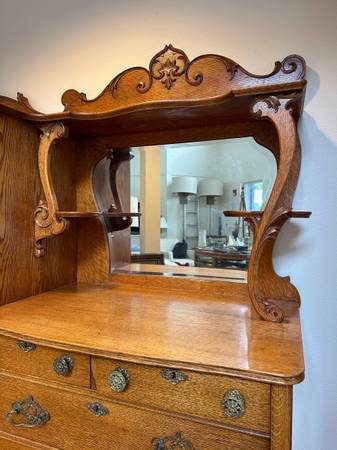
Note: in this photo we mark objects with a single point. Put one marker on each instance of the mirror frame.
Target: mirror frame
(177, 100)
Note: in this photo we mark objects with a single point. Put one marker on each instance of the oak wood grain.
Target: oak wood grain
(281, 417)
(199, 395)
(12, 442)
(189, 330)
(19, 197)
(39, 363)
(125, 427)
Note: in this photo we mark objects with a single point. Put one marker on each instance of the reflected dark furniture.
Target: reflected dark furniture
(218, 258)
(148, 258)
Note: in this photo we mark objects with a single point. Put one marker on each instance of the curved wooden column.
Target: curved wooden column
(264, 284)
(47, 224)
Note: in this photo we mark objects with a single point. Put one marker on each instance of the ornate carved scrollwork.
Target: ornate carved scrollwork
(172, 67)
(265, 286)
(176, 442)
(167, 66)
(46, 222)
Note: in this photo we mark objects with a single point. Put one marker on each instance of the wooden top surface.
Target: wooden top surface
(198, 331)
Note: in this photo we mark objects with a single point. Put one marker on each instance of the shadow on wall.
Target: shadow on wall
(307, 250)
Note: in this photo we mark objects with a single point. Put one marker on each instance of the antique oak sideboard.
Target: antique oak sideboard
(92, 358)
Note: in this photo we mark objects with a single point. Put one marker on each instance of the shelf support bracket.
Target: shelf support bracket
(264, 285)
(46, 222)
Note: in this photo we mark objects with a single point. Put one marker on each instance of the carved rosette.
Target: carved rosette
(46, 222)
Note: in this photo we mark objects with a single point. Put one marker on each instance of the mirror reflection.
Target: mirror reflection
(182, 190)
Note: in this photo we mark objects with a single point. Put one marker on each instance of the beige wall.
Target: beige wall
(48, 46)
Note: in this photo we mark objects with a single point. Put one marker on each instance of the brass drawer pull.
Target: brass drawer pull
(63, 365)
(172, 442)
(233, 404)
(26, 346)
(97, 409)
(118, 379)
(32, 413)
(175, 376)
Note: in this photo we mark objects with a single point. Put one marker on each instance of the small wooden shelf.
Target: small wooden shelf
(89, 214)
(291, 214)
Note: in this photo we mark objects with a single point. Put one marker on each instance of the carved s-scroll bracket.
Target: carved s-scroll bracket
(46, 222)
(264, 285)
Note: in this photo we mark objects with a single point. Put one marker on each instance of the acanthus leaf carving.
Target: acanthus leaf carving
(168, 65)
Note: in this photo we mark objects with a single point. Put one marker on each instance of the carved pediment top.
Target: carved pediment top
(171, 77)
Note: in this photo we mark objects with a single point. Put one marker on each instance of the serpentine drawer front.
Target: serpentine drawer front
(69, 420)
(228, 400)
(25, 358)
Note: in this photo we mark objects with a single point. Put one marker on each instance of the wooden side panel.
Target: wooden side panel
(93, 252)
(93, 247)
(21, 274)
(281, 417)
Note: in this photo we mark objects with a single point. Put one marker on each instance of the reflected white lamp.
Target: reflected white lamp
(210, 188)
(184, 186)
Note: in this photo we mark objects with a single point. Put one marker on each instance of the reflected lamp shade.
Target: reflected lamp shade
(184, 185)
(210, 187)
(134, 209)
(163, 223)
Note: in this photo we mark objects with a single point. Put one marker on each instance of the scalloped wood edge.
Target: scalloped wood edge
(170, 80)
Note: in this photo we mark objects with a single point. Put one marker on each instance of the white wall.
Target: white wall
(231, 161)
(48, 46)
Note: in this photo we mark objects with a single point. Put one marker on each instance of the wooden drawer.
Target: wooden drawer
(72, 425)
(39, 362)
(199, 395)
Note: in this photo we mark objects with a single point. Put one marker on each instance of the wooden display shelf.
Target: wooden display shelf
(89, 214)
(291, 214)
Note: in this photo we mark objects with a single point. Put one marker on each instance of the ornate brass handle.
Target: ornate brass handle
(97, 409)
(233, 404)
(172, 442)
(26, 346)
(118, 379)
(175, 376)
(32, 413)
(63, 365)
